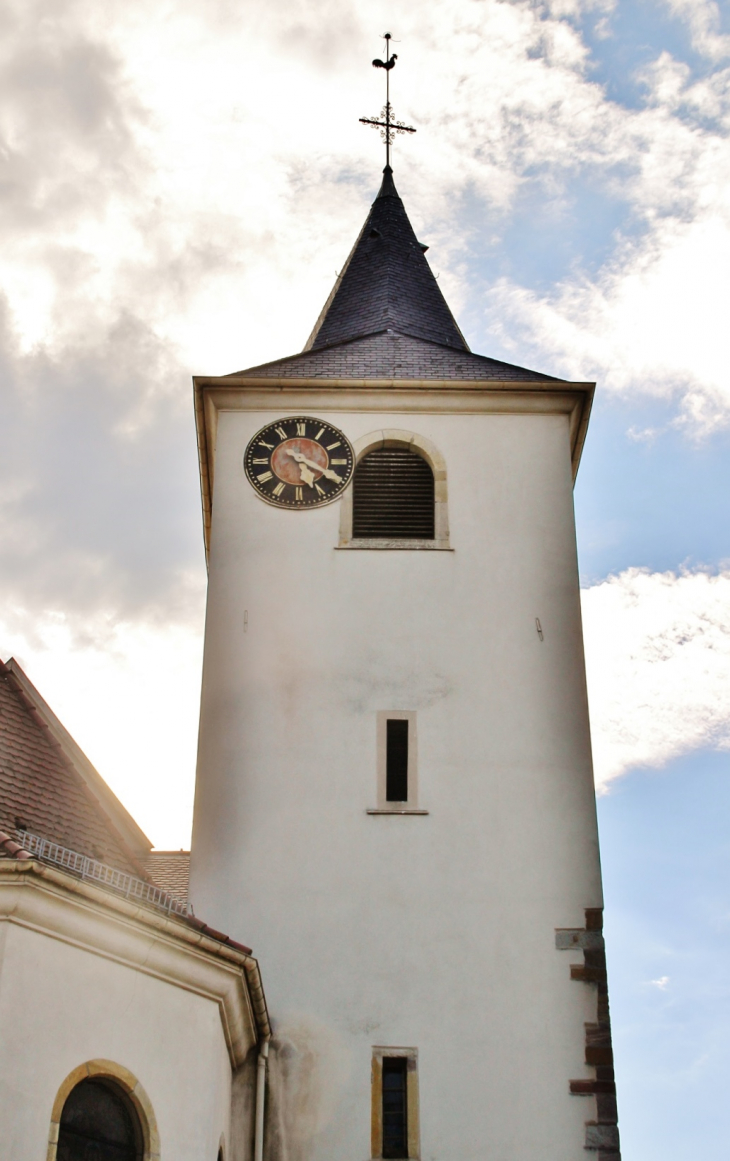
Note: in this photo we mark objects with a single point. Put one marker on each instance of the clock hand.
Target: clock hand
(307, 476)
(304, 473)
(302, 459)
(331, 475)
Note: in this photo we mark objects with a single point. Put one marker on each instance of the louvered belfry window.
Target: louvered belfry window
(393, 496)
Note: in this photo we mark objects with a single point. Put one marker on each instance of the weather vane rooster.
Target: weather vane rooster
(387, 124)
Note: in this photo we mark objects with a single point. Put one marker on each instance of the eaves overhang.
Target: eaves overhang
(214, 394)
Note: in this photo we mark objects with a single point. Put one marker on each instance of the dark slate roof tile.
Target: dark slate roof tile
(390, 355)
(386, 282)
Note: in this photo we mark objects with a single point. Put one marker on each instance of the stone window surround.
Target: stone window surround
(128, 1083)
(419, 445)
(383, 805)
(412, 1103)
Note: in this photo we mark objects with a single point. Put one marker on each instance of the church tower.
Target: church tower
(394, 798)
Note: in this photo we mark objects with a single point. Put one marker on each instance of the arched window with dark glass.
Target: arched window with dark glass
(393, 496)
(99, 1123)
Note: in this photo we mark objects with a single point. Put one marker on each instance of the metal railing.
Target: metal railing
(86, 868)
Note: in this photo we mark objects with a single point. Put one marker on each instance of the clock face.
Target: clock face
(299, 462)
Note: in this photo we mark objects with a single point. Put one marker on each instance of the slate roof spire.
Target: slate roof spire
(386, 284)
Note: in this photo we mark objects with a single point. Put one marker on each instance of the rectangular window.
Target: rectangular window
(395, 1132)
(395, 1107)
(396, 760)
(397, 763)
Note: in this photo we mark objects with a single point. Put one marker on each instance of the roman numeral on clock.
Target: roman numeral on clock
(292, 467)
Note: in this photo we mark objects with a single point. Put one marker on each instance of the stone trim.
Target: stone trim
(129, 1084)
(52, 903)
(381, 727)
(412, 1099)
(394, 810)
(602, 1135)
(419, 445)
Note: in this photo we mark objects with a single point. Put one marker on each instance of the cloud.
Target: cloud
(99, 494)
(661, 984)
(703, 20)
(196, 207)
(658, 664)
(638, 328)
(649, 320)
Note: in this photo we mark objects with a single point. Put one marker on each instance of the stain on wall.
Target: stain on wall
(308, 1071)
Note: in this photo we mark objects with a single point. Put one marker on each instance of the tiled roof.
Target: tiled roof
(41, 791)
(386, 282)
(391, 355)
(9, 849)
(169, 870)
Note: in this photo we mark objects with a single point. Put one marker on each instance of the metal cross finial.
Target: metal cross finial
(387, 124)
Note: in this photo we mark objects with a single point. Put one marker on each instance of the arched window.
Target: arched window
(393, 496)
(99, 1123)
(398, 497)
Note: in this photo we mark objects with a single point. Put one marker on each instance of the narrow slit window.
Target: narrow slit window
(396, 760)
(395, 1106)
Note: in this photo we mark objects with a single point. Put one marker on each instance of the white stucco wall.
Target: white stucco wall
(435, 932)
(62, 1005)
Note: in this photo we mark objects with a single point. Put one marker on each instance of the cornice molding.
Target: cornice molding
(52, 903)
